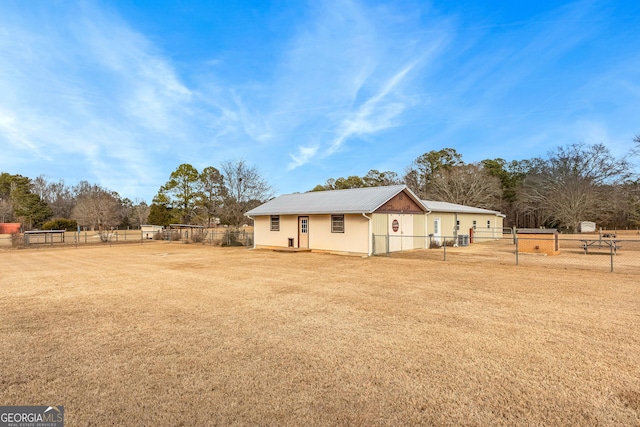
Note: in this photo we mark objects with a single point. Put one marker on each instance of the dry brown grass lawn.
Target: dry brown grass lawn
(172, 334)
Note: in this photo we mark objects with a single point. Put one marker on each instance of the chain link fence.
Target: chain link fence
(58, 238)
(614, 251)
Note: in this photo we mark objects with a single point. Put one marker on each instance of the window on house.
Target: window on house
(488, 223)
(458, 225)
(337, 223)
(474, 224)
(275, 223)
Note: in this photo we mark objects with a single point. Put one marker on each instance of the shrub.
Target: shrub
(61, 224)
(17, 240)
(198, 236)
(231, 239)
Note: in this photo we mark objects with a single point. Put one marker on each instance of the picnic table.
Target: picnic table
(605, 241)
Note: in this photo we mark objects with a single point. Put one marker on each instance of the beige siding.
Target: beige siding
(419, 241)
(355, 238)
(448, 224)
(380, 224)
(410, 233)
(265, 237)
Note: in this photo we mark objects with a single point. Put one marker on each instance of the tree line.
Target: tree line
(572, 183)
(209, 197)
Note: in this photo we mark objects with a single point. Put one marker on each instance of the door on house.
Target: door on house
(436, 230)
(303, 231)
(395, 232)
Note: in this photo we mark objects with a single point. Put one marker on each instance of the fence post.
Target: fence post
(611, 248)
(515, 239)
(444, 246)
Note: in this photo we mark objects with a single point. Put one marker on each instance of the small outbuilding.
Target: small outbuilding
(10, 227)
(538, 241)
(587, 227)
(149, 231)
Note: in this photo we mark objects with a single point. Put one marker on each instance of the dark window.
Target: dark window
(337, 223)
(275, 223)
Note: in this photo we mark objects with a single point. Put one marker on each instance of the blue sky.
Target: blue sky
(121, 92)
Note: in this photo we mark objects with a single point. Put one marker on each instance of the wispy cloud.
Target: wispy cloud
(95, 92)
(351, 66)
(87, 85)
(375, 114)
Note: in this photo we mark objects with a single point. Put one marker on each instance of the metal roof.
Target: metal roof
(355, 200)
(434, 206)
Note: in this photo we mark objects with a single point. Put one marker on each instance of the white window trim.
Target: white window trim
(333, 229)
(274, 226)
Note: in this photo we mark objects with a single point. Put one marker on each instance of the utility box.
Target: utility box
(538, 241)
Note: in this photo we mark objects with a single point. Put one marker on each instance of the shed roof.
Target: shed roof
(434, 206)
(354, 200)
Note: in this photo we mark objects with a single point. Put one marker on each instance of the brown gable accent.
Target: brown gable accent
(400, 203)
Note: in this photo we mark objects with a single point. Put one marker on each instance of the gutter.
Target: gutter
(370, 238)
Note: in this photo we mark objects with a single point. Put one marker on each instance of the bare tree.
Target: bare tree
(245, 189)
(569, 186)
(57, 195)
(467, 185)
(139, 213)
(98, 208)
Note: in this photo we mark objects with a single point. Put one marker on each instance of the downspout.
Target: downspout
(455, 230)
(370, 237)
(254, 230)
(426, 227)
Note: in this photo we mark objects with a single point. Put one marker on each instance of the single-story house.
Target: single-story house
(450, 220)
(341, 221)
(365, 221)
